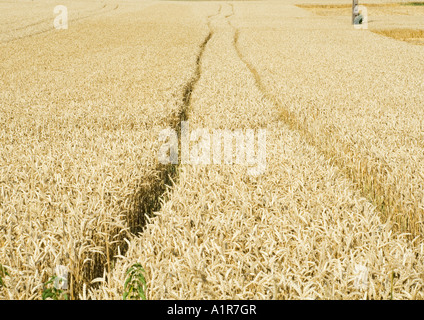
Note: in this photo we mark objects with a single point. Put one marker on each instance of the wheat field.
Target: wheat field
(81, 184)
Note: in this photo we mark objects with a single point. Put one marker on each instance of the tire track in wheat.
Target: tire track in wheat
(148, 198)
(152, 191)
(386, 199)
